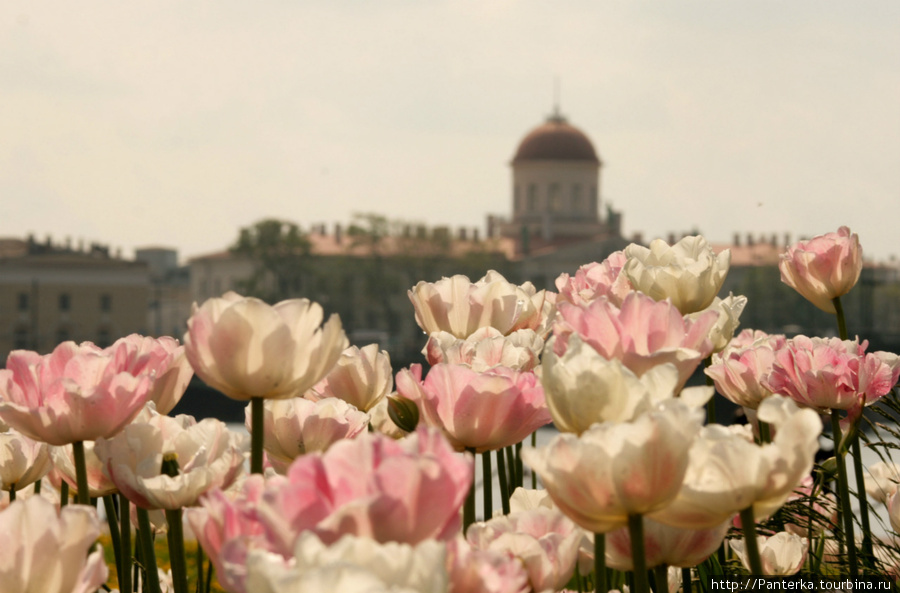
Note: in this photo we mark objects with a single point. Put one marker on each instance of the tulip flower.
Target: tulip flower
(361, 377)
(823, 268)
(458, 306)
(740, 369)
(98, 482)
(477, 411)
(473, 570)
(728, 472)
(403, 491)
(164, 359)
(613, 471)
(23, 461)
(729, 310)
(544, 539)
(782, 554)
(642, 334)
(227, 528)
(832, 374)
(485, 349)
(297, 426)
(76, 393)
(581, 387)
(882, 479)
(665, 544)
(688, 273)
(595, 280)
(351, 564)
(208, 456)
(246, 348)
(50, 551)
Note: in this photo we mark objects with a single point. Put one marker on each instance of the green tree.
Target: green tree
(282, 252)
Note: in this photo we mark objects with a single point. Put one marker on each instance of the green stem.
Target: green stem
(175, 533)
(504, 485)
(748, 524)
(711, 404)
(148, 552)
(200, 586)
(37, 486)
(469, 508)
(12, 493)
(600, 583)
(114, 535)
(487, 485)
(520, 470)
(511, 463)
(661, 575)
(125, 539)
(83, 496)
(63, 494)
(534, 473)
(765, 435)
(868, 550)
(257, 428)
(842, 322)
(686, 580)
(638, 559)
(844, 495)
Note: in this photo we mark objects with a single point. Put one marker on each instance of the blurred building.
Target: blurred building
(170, 296)
(50, 293)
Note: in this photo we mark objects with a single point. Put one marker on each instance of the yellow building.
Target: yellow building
(51, 293)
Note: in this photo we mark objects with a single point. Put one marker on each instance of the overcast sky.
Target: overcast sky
(175, 123)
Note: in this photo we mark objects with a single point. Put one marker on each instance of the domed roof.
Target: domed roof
(556, 140)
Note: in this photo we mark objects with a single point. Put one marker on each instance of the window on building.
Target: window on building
(593, 204)
(62, 335)
(553, 195)
(532, 197)
(23, 301)
(103, 340)
(65, 302)
(106, 303)
(577, 198)
(20, 338)
(517, 200)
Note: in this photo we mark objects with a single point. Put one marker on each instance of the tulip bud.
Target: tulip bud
(403, 412)
(829, 467)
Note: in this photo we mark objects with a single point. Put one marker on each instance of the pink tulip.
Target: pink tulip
(595, 280)
(473, 570)
(50, 551)
(663, 544)
(458, 306)
(832, 374)
(544, 540)
(246, 348)
(362, 377)
(76, 393)
(481, 411)
(738, 371)
(228, 528)
(296, 426)
(823, 268)
(485, 349)
(164, 359)
(372, 486)
(642, 334)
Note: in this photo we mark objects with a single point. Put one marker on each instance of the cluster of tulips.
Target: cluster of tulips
(355, 487)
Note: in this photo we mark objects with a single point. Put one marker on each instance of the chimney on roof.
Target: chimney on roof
(672, 239)
(787, 239)
(736, 240)
(338, 233)
(463, 234)
(750, 240)
(475, 236)
(773, 241)
(637, 238)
